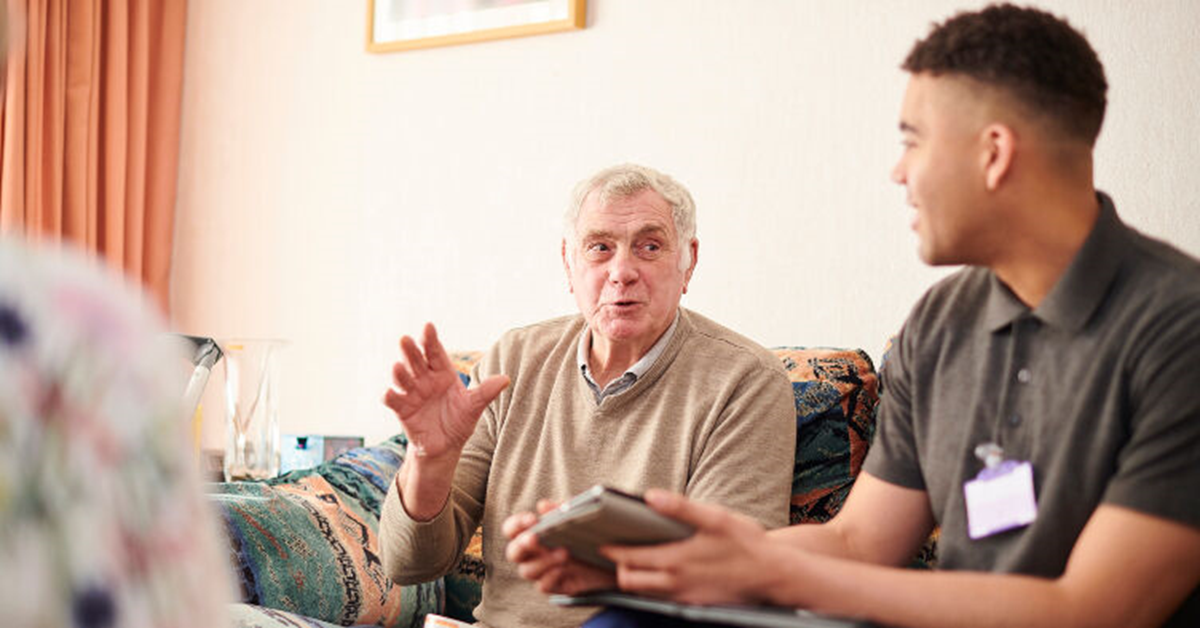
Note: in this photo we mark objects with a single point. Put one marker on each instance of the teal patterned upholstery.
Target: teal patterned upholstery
(307, 543)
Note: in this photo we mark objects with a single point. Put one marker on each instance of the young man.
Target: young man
(1041, 404)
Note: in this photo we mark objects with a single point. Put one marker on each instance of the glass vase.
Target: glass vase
(251, 368)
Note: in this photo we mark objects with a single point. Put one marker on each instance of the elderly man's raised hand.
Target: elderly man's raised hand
(438, 413)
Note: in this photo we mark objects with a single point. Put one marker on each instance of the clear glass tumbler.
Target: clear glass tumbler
(251, 408)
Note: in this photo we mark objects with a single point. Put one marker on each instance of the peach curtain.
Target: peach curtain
(89, 129)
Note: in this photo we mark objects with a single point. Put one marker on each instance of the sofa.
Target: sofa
(305, 545)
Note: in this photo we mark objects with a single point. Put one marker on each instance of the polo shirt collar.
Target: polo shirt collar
(1078, 293)
(1003, 307)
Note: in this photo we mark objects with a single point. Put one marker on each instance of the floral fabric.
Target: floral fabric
(102, 521)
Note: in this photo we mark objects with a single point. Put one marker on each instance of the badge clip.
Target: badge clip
(1001, 497)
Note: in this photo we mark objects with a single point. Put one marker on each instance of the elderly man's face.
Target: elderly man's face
(624, 270)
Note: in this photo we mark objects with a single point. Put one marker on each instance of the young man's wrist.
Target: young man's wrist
(781, 566)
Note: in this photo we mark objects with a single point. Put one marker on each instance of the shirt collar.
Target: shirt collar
(639, 368)
(1078, 293)
(1003, 307)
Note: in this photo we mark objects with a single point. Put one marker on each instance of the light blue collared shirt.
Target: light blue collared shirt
(639, 368)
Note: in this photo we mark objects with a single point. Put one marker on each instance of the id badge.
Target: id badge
(1000, 498)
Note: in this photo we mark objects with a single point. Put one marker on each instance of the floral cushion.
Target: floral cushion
(307, 542)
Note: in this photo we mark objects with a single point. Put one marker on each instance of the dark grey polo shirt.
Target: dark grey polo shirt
(1098, 387)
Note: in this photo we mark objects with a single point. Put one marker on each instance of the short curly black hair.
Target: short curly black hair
(1036, 57)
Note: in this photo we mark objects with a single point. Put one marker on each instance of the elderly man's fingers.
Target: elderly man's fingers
(413, 356)
(486, 391)
(395, 401)
(552, 580)
(536, 568)
(525, 547)
(403, 377)
(435, 353)
(577, 585)
(518, 523)
(546, 505)
(579, 578)
(522, 547)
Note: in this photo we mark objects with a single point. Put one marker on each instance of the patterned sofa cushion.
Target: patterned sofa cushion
(836, 393)
(307, 542)
(464, 585)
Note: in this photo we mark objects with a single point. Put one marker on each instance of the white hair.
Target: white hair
(627, 180)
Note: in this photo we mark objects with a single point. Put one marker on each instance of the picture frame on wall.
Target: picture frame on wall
(394, 25)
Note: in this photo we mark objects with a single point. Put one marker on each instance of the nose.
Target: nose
(622, 269)
(898, 176)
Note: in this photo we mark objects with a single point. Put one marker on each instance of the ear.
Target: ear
(567, 266)
(1000, 146)
(687, 274)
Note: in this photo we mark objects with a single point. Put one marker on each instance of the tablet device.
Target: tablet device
(605, 516)
(762, 616)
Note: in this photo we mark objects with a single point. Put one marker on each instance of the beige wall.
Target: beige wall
(339, 199)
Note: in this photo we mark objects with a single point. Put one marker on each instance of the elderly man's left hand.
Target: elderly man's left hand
(553, 570)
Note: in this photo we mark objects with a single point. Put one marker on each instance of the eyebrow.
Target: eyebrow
(908, 128)
(640, 233)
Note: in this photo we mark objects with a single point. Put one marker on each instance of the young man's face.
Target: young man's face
(942, 123)
(624, 269)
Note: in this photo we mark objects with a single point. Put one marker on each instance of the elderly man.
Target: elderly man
(634, 392)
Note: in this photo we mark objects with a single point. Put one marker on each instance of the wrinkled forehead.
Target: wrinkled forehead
(639, 212)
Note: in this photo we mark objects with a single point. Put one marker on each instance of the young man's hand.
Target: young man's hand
(726, 561)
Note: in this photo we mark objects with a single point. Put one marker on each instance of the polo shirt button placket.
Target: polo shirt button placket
(1024, 376)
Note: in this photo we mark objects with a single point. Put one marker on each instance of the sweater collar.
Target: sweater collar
(633, 373)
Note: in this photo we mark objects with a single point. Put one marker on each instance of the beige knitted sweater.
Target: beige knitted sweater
(712, 418)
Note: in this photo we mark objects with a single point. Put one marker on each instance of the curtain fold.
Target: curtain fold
(89, 139)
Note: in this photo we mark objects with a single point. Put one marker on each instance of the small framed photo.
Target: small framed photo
(408, 24)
